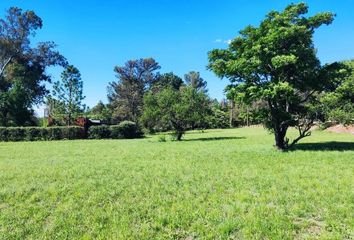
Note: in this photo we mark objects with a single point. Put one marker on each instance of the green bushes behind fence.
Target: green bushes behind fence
(123, 130)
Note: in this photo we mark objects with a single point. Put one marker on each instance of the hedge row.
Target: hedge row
(14, 134)
(123, 130)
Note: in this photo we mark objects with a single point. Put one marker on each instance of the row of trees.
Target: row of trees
(159, 102)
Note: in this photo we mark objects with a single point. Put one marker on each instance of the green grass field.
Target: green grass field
(220, 184)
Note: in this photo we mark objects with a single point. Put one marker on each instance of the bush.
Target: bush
(343, 114)
(125, 129)
(130, 129)
(161, 138)
(99, 132)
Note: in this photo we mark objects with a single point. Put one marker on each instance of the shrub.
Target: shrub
(343, 114)
(99, 132)
(130, 129)
(161, 138)
(125, 129)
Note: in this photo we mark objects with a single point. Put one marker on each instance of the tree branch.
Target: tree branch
(7, 62)
(307, 97)
(304, 131)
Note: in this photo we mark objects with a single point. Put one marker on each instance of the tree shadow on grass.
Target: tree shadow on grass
(325, 146)
(214, 138)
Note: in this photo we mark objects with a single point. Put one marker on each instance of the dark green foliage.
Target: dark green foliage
(23, 67)
(99, 132)
(54, 133)
(343, 114)
(100, 111)
(73, 132)
(167, 80)
(124, 130)
(35, 134)
(115, 132)
(218, 119)
(59, 133)
(338, 104)
(14, 134)
(3, 134)
(127, 129)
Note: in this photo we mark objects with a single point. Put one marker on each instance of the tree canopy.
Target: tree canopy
(134, 79)
(338, 102)
(23, 67)
(167, 80)
(179, 110)
(194, 80)
(276, 62)
(68, 94)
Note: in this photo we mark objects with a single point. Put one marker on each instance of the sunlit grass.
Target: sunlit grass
(220, 184)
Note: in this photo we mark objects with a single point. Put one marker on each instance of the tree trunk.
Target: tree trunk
(231, 120)
(247, 111)
(179, 136)
(69, 119)
(280, 141)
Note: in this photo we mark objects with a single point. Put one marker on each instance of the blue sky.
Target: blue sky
(97, 35)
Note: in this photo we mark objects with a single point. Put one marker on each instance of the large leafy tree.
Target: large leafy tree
(178, 110)
(276, 62)
(68, 94)
(23, 67)
(126, 95)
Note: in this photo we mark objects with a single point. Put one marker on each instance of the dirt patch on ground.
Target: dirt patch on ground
(341, 129)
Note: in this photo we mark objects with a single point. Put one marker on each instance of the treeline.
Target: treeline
(141, 94)
(132, 97)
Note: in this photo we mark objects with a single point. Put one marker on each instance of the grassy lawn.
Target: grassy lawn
(220, 184)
